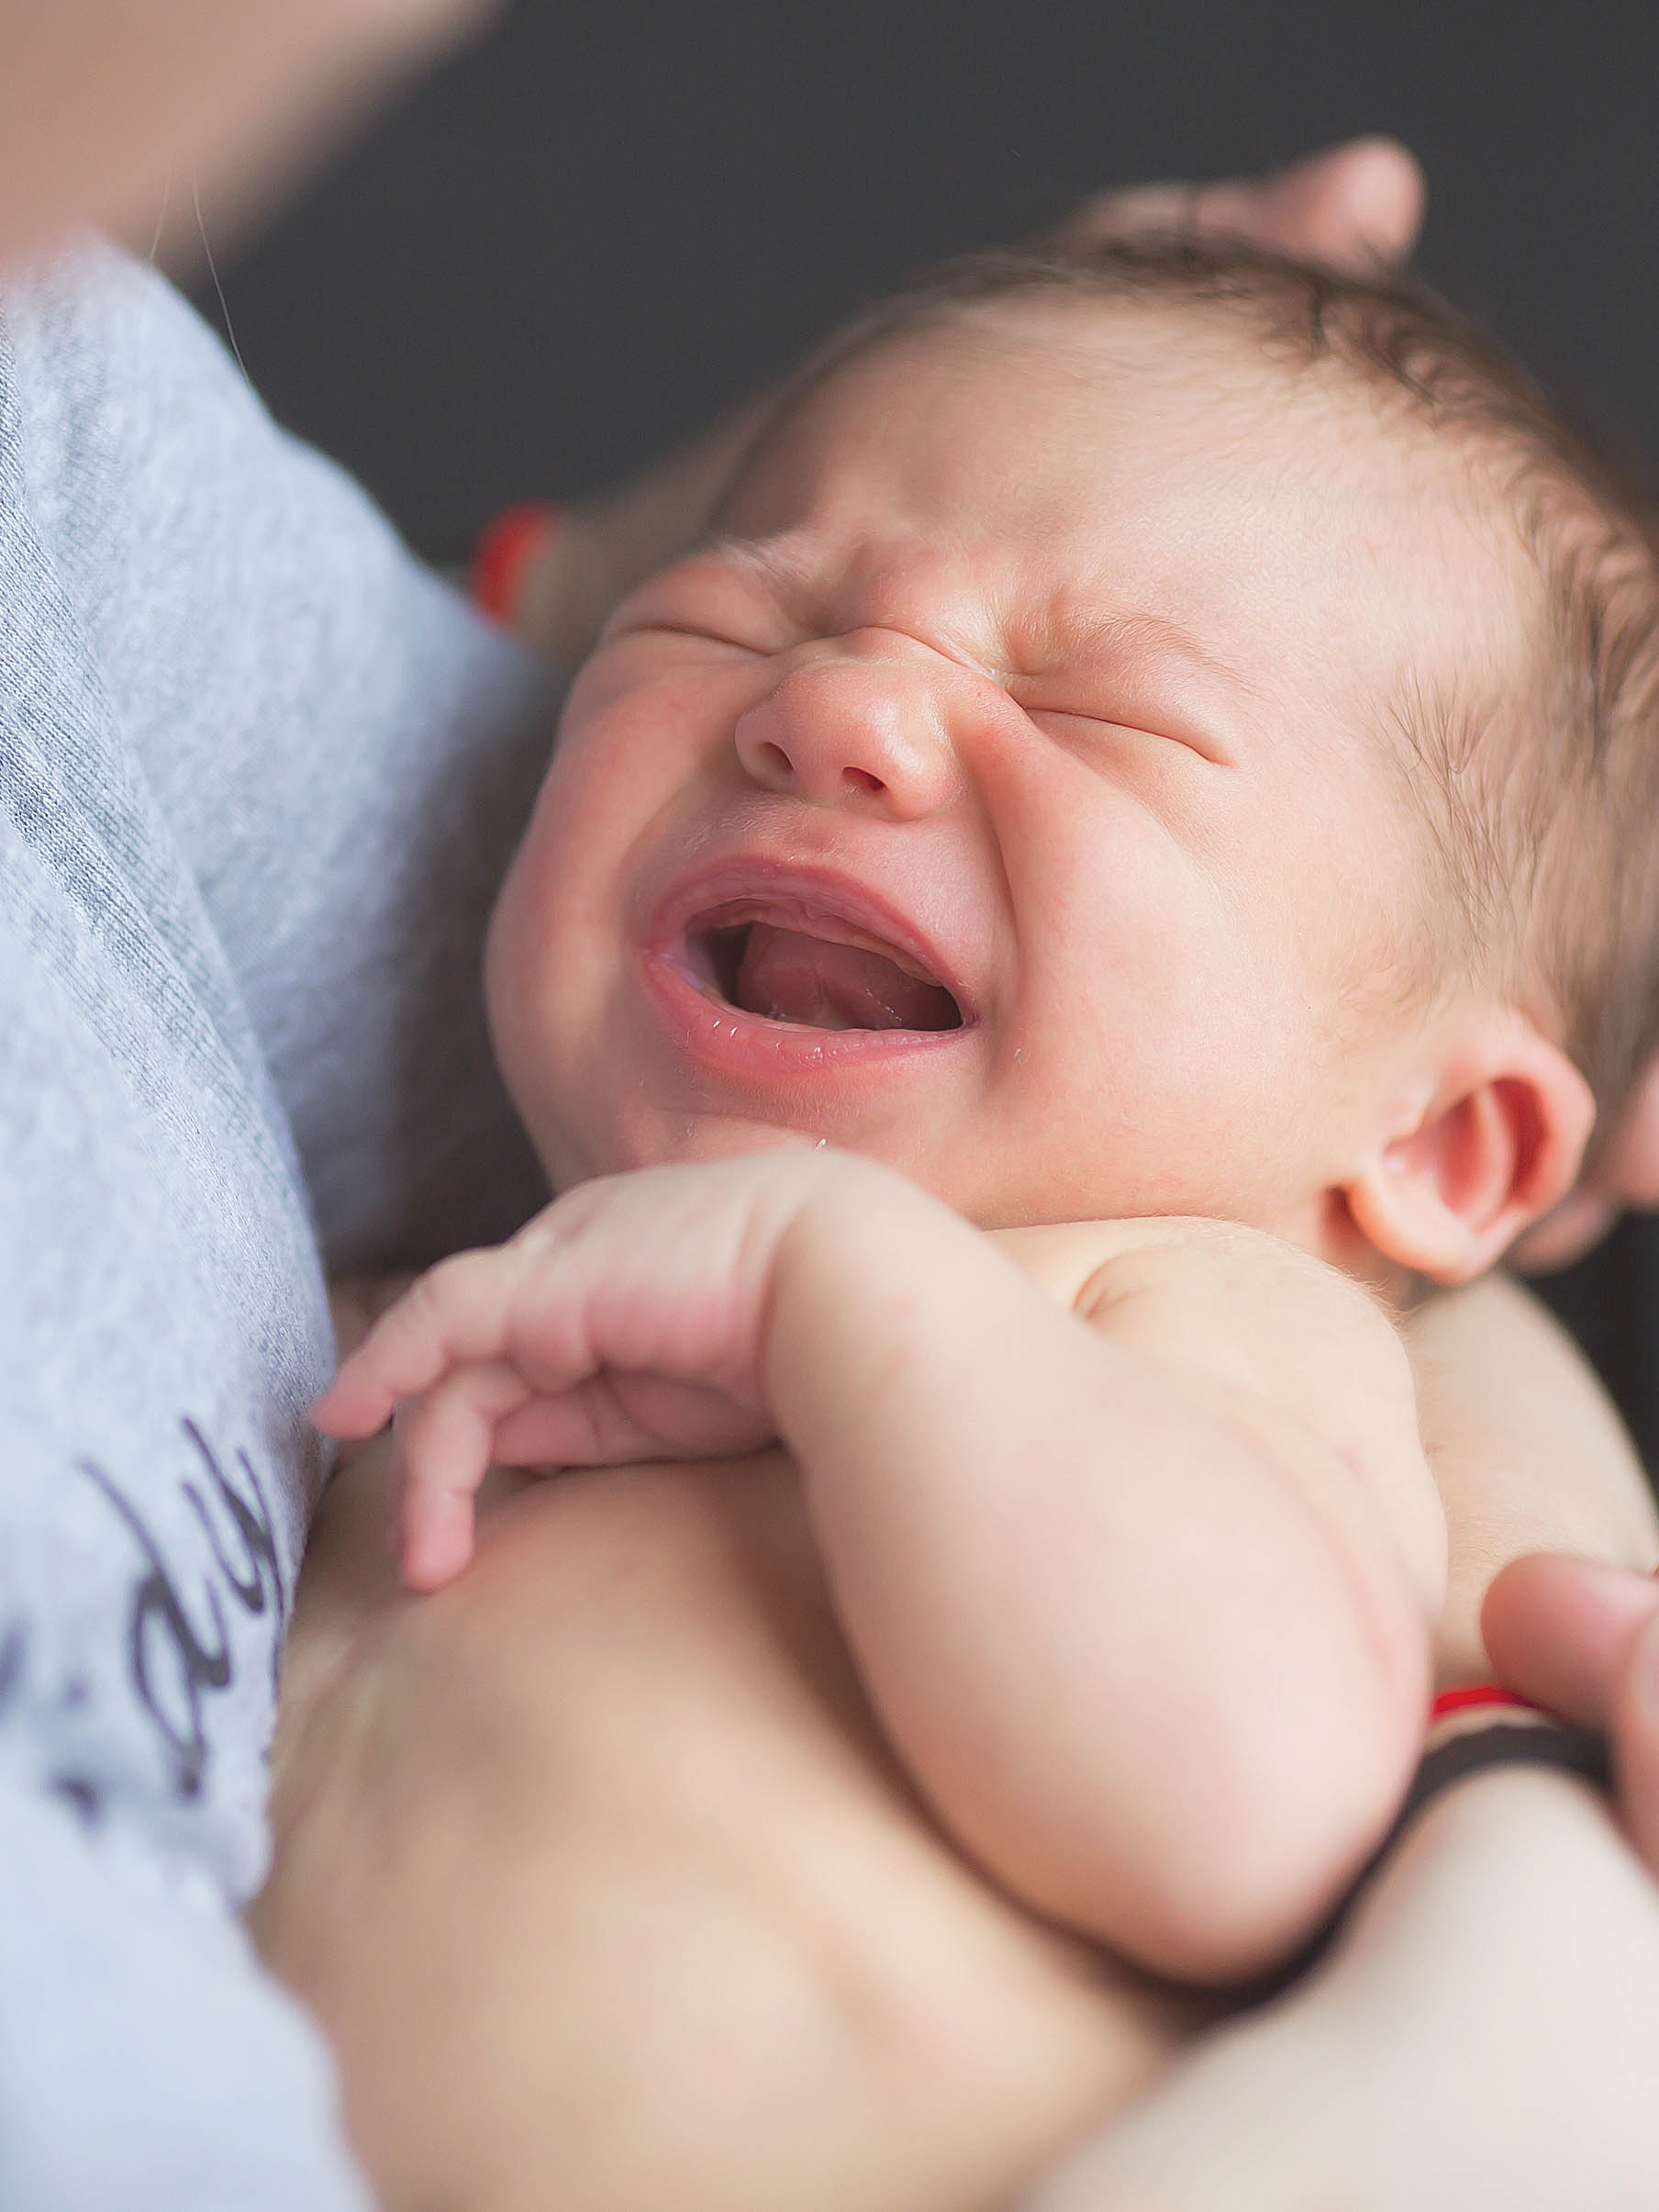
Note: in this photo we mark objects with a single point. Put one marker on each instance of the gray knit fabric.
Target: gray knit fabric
(258, 774)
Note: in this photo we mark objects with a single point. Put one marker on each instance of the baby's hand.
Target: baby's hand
(626, 1322)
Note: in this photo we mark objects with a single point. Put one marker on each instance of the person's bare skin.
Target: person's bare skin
(609, 1893)
(744, 1969)
(134, 116)
(107, 101)
(759, 2036)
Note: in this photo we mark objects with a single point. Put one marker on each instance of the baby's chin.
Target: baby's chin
(982, 1201)
(988, 1199)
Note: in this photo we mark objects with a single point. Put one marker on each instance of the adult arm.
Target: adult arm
(1528, 1454)
(1484, 2029)
(103, 105)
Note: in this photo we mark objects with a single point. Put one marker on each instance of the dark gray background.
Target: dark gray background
(605, 221)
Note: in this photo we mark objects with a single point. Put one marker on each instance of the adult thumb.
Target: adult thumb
(1582, 1639)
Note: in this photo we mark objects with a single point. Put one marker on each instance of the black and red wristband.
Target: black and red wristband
(1531, 1737)
(1518, 1742)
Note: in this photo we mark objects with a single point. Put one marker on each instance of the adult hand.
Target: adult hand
(1359, 206)
(1485, 2033)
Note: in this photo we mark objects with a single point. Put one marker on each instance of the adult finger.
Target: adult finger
(1566, 1234)
(1635, 1730)
(1564, 1632)
(1358, 205)
(1631, 1167)
(1583, 1638)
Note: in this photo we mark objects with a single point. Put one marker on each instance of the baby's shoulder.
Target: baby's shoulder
(1239, 1307)
(1246, 1277)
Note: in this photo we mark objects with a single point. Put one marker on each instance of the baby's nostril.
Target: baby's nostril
(776, 759)
(860, 779)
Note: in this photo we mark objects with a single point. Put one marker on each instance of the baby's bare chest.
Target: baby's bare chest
(710, 1944)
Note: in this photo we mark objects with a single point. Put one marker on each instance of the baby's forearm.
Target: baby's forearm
(1143, 1671)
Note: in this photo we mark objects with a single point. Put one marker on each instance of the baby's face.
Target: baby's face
(1010, 796)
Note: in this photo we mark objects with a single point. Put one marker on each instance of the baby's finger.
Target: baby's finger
(456, 1312)
(583, 1426)
(396, 1486)
(434, 1537)
(353, 1405)
(445, 1446)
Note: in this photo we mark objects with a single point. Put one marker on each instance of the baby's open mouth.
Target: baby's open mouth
(788, 975)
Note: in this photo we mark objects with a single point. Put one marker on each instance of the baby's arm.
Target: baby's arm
(1232, 1592)
(1141, 1571)
(1142, 1590)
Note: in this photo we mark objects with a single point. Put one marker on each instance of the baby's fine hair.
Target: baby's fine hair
(1541, 801)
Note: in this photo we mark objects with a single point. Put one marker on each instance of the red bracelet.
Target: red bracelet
(1464, 1700)
(505, 551)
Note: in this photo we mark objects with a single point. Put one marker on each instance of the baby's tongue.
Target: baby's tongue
(791, 977)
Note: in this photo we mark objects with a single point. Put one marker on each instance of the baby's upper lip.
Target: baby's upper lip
(814, 898)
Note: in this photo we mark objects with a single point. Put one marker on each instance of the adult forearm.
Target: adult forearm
(1486, 2032)
(1528, 1451)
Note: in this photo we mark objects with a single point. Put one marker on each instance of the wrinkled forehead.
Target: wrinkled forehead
(1077, 377)
(980, 399)
(1149, 460)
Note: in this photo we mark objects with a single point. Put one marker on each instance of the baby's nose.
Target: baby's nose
(870, 734)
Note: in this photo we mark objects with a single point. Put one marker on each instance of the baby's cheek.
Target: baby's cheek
(519, 952)
(545, 1003)
(603, 677)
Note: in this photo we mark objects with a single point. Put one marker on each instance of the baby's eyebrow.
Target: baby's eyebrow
(1074, 633)
(1074, 629)
(772, 561)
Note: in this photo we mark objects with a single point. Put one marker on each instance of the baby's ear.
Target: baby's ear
(1493, 1141)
